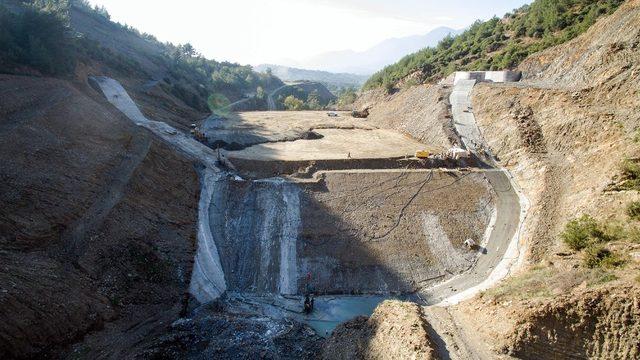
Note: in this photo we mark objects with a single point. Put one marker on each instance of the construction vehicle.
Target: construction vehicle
(360, 114)
(457, 153)
(423, 154)
(197, 133)
(470, 244)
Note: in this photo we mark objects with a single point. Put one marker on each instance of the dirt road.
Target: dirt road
(270, 102)
(502, 250)
(501, 253)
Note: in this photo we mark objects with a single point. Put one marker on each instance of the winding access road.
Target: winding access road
(502, 247)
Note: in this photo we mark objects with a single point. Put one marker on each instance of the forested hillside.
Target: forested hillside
(498, 43)
(50, 37)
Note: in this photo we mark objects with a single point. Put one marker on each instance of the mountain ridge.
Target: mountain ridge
(376, 57)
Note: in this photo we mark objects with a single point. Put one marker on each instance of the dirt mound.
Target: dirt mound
(603, 324)
(396, 330)
(97, 232)
(420, 111)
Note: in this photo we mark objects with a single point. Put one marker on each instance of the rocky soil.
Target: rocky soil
(96, 231)
(423, 112)
(564, 133)
(217, 331)
(391, 232)
(353, 232)
(396, 330)
(595, 324)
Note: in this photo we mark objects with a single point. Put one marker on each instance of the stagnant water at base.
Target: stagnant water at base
(329, 311)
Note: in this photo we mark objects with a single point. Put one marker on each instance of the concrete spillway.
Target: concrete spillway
(255, 226)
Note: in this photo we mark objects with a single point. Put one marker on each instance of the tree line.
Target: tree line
(498, 44)
(38, 38)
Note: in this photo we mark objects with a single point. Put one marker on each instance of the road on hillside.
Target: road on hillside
(501, 251)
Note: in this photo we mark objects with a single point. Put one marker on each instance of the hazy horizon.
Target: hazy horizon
(278, 34)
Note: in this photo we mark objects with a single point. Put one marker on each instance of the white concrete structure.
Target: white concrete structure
(512, 205)
(207, 278)
(488, 76)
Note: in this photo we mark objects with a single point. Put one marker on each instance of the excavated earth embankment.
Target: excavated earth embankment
(564, 132)
(595, 324)
(349, 232)
(396, 330)
(97, 234)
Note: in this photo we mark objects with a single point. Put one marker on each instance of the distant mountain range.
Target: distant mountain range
(333, 81)
(374, 59)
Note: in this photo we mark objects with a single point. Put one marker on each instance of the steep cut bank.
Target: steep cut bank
(97, 235)
(423, 112)
(564, 133)
(596, 324)
(280, 237)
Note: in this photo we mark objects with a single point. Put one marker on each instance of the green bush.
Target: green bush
(633, 235)
(582, 232)
(37, 38)
(347, 97)
(630, 175)
(292, 103)
(633, 210)
(596, 256)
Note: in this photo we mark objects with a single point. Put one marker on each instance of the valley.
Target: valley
(161, 205)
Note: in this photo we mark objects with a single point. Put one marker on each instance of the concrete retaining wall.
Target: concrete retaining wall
(488, 76)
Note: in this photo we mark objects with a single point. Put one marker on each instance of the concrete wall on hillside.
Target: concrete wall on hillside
(488, 76)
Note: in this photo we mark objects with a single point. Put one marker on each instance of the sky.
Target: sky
(284, 31)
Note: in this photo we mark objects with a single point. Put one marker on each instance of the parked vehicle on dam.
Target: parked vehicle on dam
(423, 154)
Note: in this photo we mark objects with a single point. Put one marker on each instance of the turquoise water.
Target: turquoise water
(330, 311)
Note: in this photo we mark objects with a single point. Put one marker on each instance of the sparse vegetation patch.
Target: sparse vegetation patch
(499, 43)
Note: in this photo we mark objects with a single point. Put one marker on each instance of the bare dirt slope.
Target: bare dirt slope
(396, 330)
(96, 231)
(354, 232)
(595, 324)
(422, 112)
(391, 232)
(564, 133)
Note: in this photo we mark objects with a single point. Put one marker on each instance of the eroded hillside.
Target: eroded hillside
(568, 133)
(85, 209)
